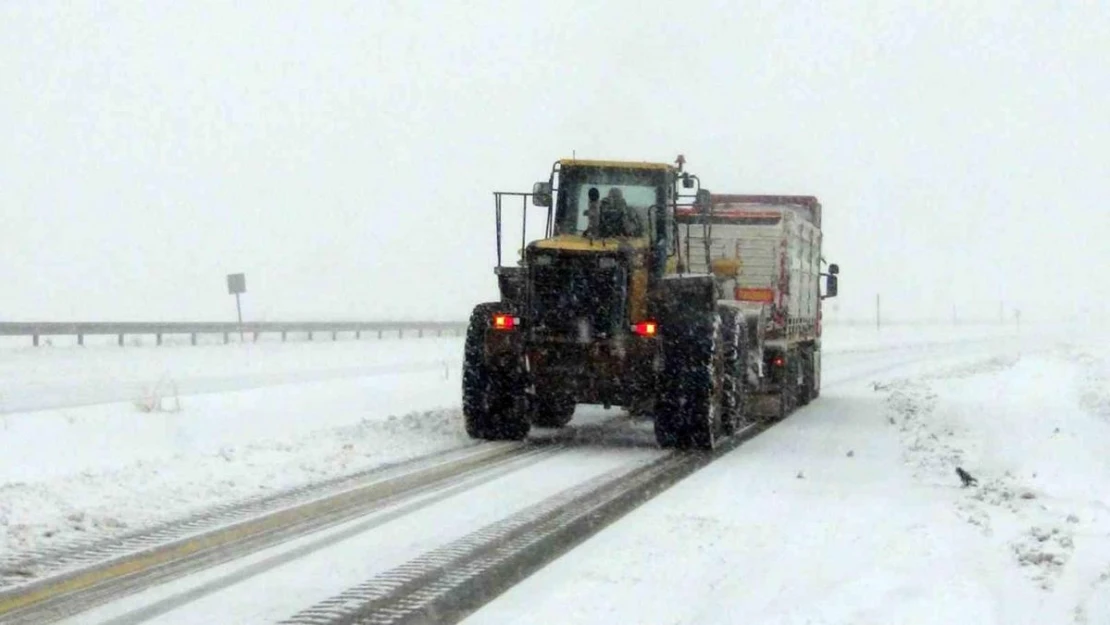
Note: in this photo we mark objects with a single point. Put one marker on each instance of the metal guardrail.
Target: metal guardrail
(193, 329)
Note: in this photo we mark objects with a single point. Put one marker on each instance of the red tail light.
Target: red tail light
(504, 322)
(778, 361)
(646, 328)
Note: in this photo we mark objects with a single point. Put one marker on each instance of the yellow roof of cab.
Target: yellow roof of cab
(573, 162)
(579, 243)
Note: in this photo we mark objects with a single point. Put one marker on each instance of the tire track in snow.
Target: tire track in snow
(448, 583)
(157, 557)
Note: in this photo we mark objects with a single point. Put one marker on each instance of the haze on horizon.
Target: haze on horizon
(343, 154)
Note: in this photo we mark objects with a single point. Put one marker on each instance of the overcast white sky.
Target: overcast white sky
(343, 154)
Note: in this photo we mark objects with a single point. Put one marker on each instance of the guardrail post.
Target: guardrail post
(81, 340)
(400, 333)
(283, 333)
(158, 338)
(310, 336)
(358, 334)
(379, 334)
(420, 333)
(193, 338)
(35, 339)
(256, 337)
(121, 340)
(334, 335)
(227, 339)
(439, 332)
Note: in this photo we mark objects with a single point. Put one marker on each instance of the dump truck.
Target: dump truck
(610, 306)
(771, 247)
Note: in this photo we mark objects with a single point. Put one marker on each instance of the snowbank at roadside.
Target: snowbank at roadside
(1033, 431)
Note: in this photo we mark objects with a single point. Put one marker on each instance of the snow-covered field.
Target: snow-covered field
(235, 421)
(848, 512)
(851, 510)
(909, 338)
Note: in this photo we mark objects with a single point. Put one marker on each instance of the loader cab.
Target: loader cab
(626, 197)
(646, 188)
(629, 201)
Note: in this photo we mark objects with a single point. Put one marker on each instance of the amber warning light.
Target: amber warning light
(502, 321)
(646, 328)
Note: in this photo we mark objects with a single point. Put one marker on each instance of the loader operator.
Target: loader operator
(616, 218)
(592, 211)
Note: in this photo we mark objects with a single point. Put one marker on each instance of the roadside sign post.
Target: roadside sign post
(237, 285)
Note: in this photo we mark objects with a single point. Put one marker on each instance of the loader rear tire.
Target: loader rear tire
(732, 378)
(491, 393)
(553, 410)
(689, 413)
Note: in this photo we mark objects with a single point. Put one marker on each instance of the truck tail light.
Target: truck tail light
(646, 328)
(502, 321)
(778, 361)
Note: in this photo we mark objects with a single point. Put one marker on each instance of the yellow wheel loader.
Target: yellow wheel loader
(604, 310)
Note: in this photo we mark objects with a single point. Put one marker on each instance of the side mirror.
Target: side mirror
(834, 269)
(687, 181)
(541, 194)
(830, 285)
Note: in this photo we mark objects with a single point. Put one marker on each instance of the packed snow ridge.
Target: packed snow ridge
(1041, 494)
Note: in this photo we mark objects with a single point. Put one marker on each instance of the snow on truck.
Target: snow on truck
(647, 291)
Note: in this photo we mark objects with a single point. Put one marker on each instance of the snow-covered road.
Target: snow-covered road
(848, 512)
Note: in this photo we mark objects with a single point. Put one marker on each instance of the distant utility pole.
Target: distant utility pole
(878, 314)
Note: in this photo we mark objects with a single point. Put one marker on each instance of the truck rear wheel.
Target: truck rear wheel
(788, 391)
(815, 355)
(806, 390)
(690, 408)
(491, 406)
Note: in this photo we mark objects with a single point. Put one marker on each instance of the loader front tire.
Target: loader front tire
(491, 392)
